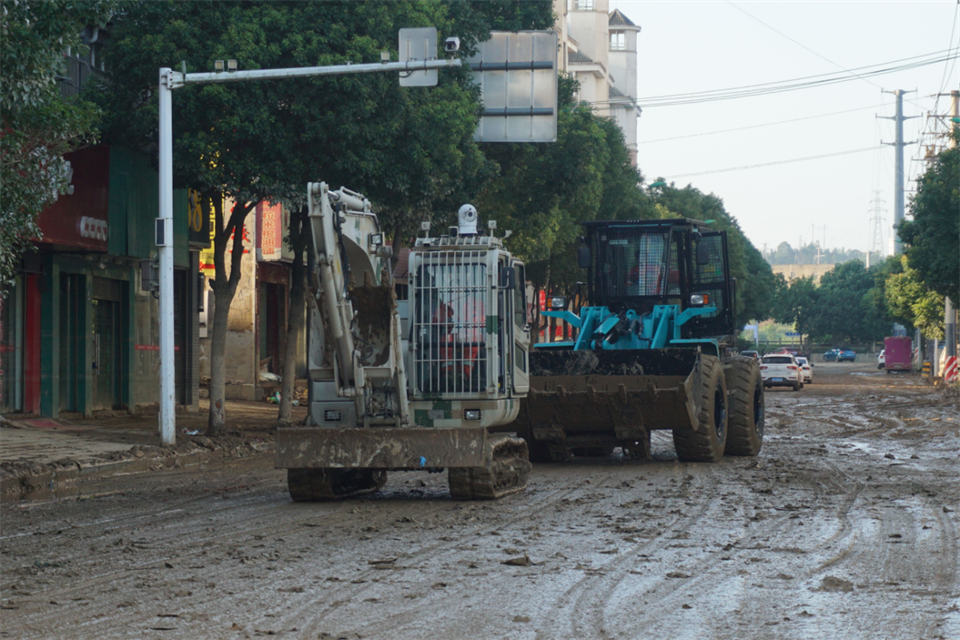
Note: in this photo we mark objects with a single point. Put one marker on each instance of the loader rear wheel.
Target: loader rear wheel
(706, 444)
(321, 485)
(506, 471)
(745, 424)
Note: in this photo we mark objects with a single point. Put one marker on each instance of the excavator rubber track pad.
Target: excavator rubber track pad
(505, 471)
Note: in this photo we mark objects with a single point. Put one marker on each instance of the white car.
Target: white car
(780, 370)
(806, 370)
(882, 359)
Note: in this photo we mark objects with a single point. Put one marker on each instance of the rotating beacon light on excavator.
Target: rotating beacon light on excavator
(649, 353)
(414, 385)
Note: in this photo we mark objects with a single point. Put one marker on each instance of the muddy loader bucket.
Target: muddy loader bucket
(601, 398)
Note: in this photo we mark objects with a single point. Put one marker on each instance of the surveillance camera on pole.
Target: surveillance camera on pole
(451, 45)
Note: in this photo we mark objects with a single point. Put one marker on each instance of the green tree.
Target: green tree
(37, 125)
(848, 307)
(912, 304)
(755, 281)
(932, 238)
(410, 150)
(543, 192)
(795, 302)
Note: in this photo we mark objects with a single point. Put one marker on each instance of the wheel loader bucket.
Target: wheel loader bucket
(621, 395)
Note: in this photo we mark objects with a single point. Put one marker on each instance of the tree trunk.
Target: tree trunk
(298, 242)
(224, 288)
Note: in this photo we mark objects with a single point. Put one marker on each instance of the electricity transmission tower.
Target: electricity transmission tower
(876, 229)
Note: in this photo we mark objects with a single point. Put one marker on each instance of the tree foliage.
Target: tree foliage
(848, 308)
(755, 280)
(932, 238)
(911, 303)
(37, 125)
(795, 302)
(544, 191)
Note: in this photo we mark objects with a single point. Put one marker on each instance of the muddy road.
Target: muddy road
(845, 527)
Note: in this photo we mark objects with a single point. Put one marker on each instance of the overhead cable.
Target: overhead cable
(770, 164)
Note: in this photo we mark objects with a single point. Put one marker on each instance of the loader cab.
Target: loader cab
(639, 264)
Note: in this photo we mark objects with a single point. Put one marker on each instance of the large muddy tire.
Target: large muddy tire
(321, 485)
(707, 443)
(506, 471)
(745, 424)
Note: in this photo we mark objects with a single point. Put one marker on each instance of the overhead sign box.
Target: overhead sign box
(517, 73)
(418, 44)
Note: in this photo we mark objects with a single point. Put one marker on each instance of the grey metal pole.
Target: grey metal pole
(950, 328)
(164, 240)
(898, 178)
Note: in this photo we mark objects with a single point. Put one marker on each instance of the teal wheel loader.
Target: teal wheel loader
(650, 351)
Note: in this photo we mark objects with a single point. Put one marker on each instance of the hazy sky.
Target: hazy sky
(692, 47)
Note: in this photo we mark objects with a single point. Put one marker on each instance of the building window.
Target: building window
(618, 41)
(583, 5)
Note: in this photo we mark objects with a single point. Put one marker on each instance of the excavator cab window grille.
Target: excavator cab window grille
(450, 324)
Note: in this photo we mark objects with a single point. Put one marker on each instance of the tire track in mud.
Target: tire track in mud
(705, 584)
(267, 528)
(587, 600)
(391, 623)
(239, 538)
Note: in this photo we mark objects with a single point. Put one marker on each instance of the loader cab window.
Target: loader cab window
(709, 278)
(631, 264)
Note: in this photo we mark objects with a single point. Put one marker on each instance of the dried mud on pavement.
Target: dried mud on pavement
(845, 526)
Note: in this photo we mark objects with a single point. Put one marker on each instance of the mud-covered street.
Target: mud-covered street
(845, 527)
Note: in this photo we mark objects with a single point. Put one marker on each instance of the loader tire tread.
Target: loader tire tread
(746, 421)
(707, 442)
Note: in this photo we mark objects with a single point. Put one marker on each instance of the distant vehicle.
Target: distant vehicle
(780, 370)
(806, 370)
(790, 350)
(840, 355)
(897, 354)
(750, 354)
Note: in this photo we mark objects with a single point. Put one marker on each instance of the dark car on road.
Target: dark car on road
(840, 355)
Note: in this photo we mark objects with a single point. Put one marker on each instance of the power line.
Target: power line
(780, 86)
(800, 44)
(769, 164)
(757, 126)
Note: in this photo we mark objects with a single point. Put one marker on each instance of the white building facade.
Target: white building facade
(599, 48)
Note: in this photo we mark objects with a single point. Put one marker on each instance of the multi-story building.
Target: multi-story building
(79, 333)
(599, 48)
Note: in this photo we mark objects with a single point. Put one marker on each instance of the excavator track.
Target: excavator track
(505, 471)
(323, 485)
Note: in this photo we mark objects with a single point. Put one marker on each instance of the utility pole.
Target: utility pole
(950, 314)
(898, 177)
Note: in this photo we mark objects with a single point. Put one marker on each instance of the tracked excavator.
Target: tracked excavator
(650, 351)
(414, 384)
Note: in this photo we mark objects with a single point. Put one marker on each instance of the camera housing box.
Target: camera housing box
(451, 45)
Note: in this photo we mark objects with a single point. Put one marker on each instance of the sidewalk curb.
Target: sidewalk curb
(31, 480)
